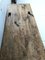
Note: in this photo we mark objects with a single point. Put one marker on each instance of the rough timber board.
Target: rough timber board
(21, 40)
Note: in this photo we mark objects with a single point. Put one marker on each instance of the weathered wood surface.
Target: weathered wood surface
(21, 40)
(44, 53)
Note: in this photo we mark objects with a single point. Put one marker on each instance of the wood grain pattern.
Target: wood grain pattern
(21, 40)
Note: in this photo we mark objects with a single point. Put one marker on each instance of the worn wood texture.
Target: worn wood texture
(44, 53)
(21, 40)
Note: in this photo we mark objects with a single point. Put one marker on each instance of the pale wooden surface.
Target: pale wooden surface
(21, 36)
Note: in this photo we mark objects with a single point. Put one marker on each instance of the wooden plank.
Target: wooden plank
(21, 40)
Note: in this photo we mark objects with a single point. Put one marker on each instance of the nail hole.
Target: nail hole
(16, 23)
(9, 14)
(28, 12)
